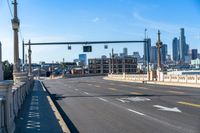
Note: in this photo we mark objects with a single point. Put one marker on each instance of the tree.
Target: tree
(8, 70)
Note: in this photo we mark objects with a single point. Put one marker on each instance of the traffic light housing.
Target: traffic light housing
(87, 48)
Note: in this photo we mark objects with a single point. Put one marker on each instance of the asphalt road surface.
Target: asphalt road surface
(95, 105)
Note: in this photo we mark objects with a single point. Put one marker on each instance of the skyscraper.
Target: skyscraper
(83, 59)
(175, 49)
(153, 55)
(182, 42)
(194, 54)
(164, 53)
(125, 51)
(147, 51)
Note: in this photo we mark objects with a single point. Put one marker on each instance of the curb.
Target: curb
(58, 116)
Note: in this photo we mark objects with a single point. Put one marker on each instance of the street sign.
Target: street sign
(87, 48)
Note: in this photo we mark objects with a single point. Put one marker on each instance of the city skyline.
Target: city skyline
(85, 21)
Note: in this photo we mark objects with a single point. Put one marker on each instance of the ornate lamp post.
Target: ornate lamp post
(159, 45)
(15, 26)
(29, 58)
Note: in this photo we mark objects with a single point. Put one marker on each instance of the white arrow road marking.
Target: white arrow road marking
(133, 99)
(175, 109)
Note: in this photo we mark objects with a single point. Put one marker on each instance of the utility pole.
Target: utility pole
(15, 26)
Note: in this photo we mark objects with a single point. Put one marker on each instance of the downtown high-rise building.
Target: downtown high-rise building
(125, 51)
(194, 53)
(147, 51)
(175, 49)
(164, 54)
(184, 48)
(153, 56)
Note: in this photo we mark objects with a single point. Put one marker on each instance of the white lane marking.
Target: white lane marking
(102, 99)
(112, 84)
(76, 89)
(86, 93)
(122, 100)
(136, 112)
(175, 109)
(90, 84)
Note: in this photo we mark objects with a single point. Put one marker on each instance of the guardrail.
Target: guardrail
(11, 99)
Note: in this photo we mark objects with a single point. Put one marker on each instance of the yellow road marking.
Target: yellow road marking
(190, 104)
(97, 86)
(113, 89)
(124, 85)
(136, 93)
(143, 88)
(177, 92)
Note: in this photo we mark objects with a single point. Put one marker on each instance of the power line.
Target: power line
(9, 8)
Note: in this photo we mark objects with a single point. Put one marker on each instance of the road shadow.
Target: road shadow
(60, 96)
(36, 114)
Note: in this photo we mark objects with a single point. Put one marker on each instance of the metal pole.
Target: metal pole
(29, 57)
(112, 60)
(23, 56)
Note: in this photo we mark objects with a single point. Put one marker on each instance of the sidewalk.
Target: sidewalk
(38, 115)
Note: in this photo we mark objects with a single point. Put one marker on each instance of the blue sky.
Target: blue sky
(96, 20)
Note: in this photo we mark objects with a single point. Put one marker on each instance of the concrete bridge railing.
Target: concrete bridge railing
(187, 79)
(11, 98)
(134, 77)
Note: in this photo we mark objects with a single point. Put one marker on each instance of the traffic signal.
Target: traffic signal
(105, 46)
(69, 47)
(87, 48)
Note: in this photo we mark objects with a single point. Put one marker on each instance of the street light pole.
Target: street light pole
(15, 26)
(112, 60)
(29, 58)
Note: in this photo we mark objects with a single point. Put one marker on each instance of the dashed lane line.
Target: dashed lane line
(124, 85)
(136, 112)
(190, 104)
(102, 99)
(136, 93)
(97, 86)
(76, 89)
(113, 89)
(176, 92)
(86, 93)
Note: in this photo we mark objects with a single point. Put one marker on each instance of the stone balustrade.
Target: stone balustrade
(190, 79)
(187, 79)
(11, 98)
(133, 77)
